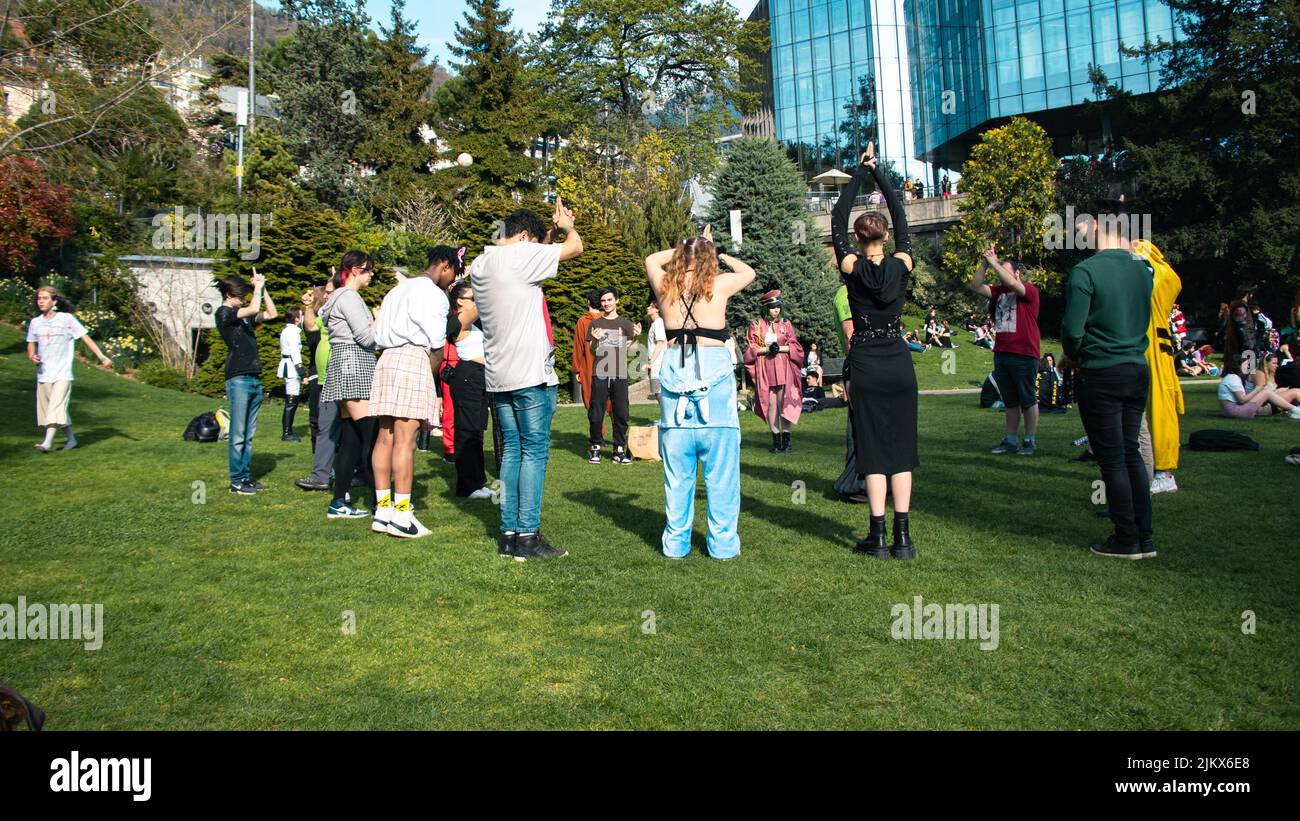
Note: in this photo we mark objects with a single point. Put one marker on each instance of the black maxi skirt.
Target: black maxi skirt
(882, 394)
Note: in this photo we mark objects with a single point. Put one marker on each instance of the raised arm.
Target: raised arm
(845, 250)
(977, 283)
(563, 219)
(740, 276)
(897, 213)
(1004, 272)
(654, 267)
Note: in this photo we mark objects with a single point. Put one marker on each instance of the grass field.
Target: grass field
(228, 614)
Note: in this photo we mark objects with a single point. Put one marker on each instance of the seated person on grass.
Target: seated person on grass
(1237, 403)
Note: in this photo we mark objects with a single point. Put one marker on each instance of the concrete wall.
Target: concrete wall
(180, 289)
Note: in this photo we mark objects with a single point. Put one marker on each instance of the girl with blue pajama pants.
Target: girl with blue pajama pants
(698, 422)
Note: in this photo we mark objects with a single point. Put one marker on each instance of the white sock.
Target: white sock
(402, 509)
(49, 437)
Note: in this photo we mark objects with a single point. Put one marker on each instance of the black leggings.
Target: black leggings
(356, 442)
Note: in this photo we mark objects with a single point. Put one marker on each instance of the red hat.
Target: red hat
(771, 299)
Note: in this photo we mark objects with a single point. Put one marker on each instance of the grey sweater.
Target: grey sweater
(348, 319)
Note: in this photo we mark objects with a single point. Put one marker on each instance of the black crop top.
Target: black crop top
(688, 336)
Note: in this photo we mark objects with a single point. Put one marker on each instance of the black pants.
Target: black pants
(356, 443)
(469, 398)
(1111, 403)
(313, 410)
(615, 390)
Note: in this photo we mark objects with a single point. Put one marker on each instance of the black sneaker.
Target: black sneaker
(1115, 550)
(289, 437)
(258, 486)
(621, 457)
(309, 484)
(506, 547)
(535, 546)
(1148, 548)
(243, 488)
(594, 458)
(1086, 456)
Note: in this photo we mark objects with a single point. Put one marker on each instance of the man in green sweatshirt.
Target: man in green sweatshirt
(1104, 332)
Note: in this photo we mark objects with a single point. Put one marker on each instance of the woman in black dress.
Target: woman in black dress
(882, 392)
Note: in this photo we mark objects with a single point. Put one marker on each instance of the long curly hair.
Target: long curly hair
(694, 260)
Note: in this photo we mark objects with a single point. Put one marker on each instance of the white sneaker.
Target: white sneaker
(1164, 483)
(413, 530)
(1294, 413)
(482, 493)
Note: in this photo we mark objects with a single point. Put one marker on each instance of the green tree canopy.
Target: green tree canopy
(779, 239)
(1009, 186)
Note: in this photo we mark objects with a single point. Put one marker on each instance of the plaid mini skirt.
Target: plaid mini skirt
(403, 384)
(350, 372)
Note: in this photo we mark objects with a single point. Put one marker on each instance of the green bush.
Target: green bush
(156, 372)
(16, 300)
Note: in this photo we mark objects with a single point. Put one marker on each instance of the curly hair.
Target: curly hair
(695, 255)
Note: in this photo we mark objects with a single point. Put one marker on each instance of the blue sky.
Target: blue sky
(438, 18)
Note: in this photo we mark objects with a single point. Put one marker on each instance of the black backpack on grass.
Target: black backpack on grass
(1221, 440)
(203, 428)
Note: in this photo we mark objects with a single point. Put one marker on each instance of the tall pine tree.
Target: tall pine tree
(779, 238)
(395, 147)
(489, 111)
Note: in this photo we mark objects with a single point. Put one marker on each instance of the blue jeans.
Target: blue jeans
(245, 395)
(525, 421)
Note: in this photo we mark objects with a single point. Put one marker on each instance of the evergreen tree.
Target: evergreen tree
(779, 239)
(395, 146)
(327, 84)
(489, 111)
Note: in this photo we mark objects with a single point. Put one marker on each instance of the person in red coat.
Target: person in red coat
(774, 359)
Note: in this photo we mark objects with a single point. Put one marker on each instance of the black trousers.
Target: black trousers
(313, 410)
(1111, 403)
(469, 397)
(356, 443)
(615, 390)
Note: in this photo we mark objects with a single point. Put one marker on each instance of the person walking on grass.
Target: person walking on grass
(51, 346)
(698, 418)
(236, 322)
(1015, 347)
(1104, 331)
(411, 331)
(290, 370)
(348, 379)
(610, 336)
(519, 352)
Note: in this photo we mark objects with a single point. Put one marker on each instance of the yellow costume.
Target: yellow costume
(1165, 400)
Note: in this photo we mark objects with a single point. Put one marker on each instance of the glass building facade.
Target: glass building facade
(922, 78)
(981, 60)
(840, 78)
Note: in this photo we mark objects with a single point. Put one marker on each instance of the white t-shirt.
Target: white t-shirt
(413, 313)
(657, 334)
(517, 336)
(56, 342)
(471, 347)
(1229, 386)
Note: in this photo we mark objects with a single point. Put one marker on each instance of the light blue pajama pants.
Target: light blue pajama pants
(718, 450)
(698, 424)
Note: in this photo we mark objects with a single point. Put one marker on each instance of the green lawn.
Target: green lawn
(228, 614)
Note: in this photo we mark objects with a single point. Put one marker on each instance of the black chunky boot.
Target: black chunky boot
(874, 544)
(776, 443)
(903, 547)
(785, 442)
(290, 408)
